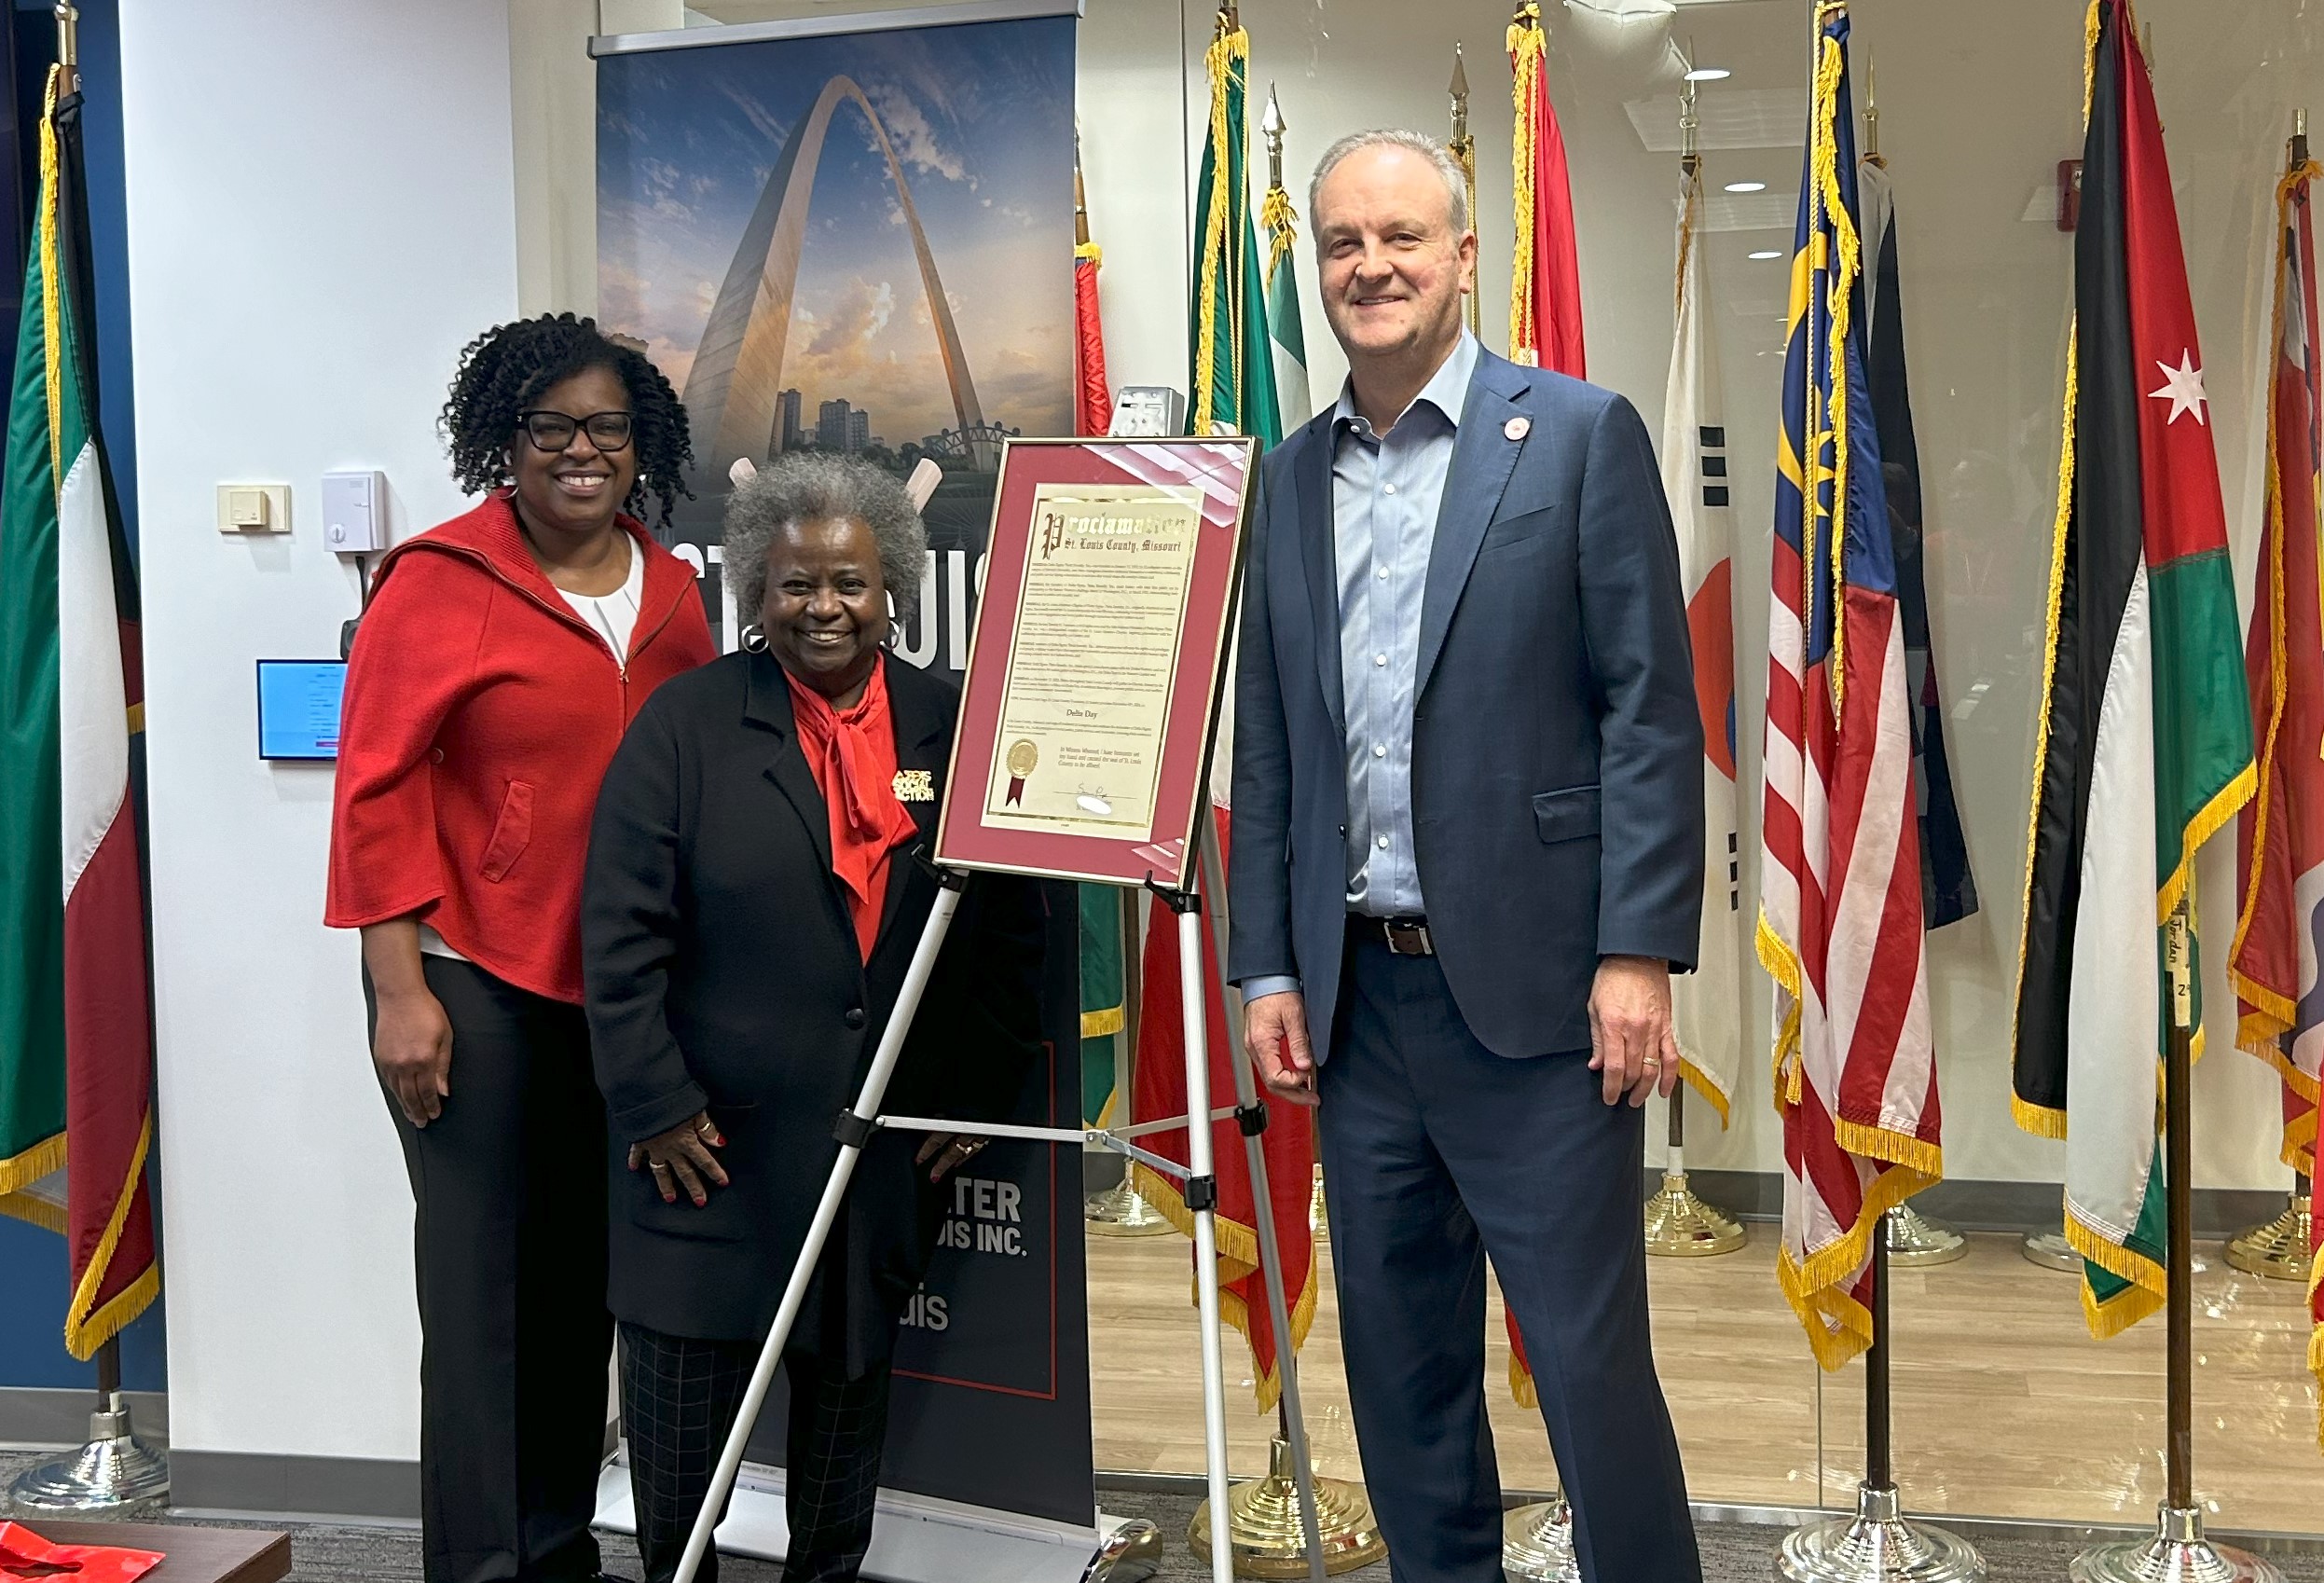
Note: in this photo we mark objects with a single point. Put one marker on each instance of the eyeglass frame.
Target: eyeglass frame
(581, 426)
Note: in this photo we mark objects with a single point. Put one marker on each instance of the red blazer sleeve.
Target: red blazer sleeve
(414, 660)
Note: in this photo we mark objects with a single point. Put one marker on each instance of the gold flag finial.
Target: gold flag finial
(1230, 17)
(2299, 148)
(1272, 126)
(1463, 147)
(68, 42)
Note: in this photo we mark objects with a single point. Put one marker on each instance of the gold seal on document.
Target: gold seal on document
(1023, 757)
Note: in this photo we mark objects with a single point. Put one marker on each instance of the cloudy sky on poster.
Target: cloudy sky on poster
(981, 117)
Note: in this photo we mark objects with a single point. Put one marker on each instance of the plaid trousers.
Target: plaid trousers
(680, 1397)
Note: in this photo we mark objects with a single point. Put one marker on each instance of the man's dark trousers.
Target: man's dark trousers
(1437, 1152)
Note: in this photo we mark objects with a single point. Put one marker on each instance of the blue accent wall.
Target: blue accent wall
(34, 1279)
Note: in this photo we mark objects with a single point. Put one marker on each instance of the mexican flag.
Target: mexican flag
(1283, 335)
(1233, 381)
(75, 1026)
(2146, 744)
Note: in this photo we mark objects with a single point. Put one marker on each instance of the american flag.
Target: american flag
(1839, 911)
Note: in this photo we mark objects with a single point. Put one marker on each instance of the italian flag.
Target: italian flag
(75, 1028)
(2146, 742)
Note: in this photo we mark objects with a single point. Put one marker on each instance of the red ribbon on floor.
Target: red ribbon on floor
(25, 1554)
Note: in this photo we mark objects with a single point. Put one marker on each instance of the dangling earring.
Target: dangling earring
(895, 627)
(753, 638)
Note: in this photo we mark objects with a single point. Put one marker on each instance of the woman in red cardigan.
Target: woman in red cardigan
(501, 657)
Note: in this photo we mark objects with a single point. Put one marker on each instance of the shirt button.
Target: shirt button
(1382, 843)
(1379, 750)
(1382, 574)
(854, 1018)
(1380, 659)
(1387, 489)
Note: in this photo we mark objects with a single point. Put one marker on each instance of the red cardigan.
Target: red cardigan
(480, 714)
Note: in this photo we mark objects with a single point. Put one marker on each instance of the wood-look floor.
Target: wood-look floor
(2005, 1407)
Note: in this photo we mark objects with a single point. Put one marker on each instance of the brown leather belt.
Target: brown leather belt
(1404, 937)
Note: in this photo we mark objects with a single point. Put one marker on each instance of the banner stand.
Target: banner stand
(857, 1124)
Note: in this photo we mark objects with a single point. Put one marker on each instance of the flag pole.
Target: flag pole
(2279, 1250)
(1463, 148)
(2178, 1549)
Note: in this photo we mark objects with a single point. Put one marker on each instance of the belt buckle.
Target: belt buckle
(1406, 938)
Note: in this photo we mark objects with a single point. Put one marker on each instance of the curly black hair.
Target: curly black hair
(503, 371)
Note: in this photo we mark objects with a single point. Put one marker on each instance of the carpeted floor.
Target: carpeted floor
(1732, 1553)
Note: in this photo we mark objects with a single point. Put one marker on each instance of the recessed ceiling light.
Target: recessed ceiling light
(1746, 187)
(1707, 73)
(1766, 252)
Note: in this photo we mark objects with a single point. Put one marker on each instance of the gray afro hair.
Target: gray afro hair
(812, 486)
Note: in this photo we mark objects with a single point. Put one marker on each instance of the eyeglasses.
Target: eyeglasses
(554, 431)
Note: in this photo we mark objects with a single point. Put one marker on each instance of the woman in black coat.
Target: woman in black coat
(752, 900)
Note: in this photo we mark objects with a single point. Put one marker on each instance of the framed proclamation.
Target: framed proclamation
(1099, 652)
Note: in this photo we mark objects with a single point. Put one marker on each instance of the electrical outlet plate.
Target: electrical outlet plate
(254, 508)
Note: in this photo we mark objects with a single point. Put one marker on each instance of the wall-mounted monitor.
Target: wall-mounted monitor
(299, 709)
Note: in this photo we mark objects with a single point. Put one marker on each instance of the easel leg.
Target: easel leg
(1203, 1198)
(854, 1132)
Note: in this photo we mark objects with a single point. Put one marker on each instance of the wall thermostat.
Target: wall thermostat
(354, 512)
(1148, 412)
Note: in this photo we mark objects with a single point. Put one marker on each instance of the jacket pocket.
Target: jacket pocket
(1567, 815)
(510, 831)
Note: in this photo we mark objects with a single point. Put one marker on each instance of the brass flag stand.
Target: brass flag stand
(2178, 1552)
(2280, 1250)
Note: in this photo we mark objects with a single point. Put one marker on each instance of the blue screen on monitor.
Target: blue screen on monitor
(298, 707)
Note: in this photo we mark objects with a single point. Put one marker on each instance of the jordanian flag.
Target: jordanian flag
(2146, 747)
(75, 1028)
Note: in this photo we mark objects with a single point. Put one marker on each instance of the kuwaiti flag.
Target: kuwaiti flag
(2146, 743)
(1839, 908)
(1707, 1003)
(76, 1030)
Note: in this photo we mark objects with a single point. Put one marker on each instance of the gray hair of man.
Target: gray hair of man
(814, 486)
(1440, 158)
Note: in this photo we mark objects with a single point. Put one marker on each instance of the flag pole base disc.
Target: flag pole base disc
(1679, 1225)
(1120, 1212)
(2179, 1553)
(1878, 1545)
(2051, 1252)
(1131, 1552)
(2277, 1250)
(1914, 1241)
(114, 1469)
(1263, 1524)
(1537, 1543)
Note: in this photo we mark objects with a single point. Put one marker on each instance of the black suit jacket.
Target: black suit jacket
(1557, 750)
(722, 974)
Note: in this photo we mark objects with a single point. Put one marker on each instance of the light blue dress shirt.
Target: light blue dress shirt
(1385, 491)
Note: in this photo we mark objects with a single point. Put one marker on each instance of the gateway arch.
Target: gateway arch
(738, 370)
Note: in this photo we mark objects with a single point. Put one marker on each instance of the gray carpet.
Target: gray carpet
(1732, 1553)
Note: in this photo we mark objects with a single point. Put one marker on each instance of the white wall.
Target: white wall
(321, 213)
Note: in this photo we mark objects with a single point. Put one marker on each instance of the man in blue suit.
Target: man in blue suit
(1468, 857)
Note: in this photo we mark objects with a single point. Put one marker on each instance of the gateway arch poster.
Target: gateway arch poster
(863, 241)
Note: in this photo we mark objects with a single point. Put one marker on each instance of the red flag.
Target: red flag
(1158, 1090)
(1092, 403)
(1545, 277)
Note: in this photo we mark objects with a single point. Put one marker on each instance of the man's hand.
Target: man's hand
(1274, 1031)
(1630, 1040)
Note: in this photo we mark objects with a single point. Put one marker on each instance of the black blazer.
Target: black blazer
(1557, 749)
(722, 974)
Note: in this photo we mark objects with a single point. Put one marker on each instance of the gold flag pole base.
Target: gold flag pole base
(1318, 1223)
(1120, 1212)
(2277, 1250)
(1263, 1524)
(2051, 1252)
(1916, 1241)
(1537, 1543)
(2179, 1553)
(1878, 1545)
(1679, 1225)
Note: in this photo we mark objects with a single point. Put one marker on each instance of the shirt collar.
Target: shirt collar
(1446, 390)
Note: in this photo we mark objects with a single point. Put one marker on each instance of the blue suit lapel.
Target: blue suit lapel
(1484, 457)
(1311, 481)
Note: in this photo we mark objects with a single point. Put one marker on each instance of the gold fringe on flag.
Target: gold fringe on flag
(1528, 45)
(1230, 45)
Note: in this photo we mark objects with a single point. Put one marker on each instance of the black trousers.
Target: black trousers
(680, 1399)
(1438, 1152)
(510, 1185)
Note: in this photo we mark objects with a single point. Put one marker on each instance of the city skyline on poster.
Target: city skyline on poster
(886, 217)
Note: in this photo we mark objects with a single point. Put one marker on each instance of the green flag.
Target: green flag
(1101, 1015)
(1287, 341)
(1233, 381)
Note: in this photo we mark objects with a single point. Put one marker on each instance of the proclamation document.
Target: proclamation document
(1098, 626)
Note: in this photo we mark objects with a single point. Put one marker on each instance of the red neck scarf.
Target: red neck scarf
(852, 755)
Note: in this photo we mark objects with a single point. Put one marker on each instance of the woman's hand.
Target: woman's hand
(681, 1157)
(950, 1150)
(412, 1047)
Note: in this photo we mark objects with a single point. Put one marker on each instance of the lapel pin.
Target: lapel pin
(915, 786)
(1516, 428)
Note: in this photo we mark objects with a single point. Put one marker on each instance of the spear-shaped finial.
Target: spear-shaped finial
(1872, 110)
(1690, 129)
(1272, 126)
(1458, 87)
(1081, 199)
